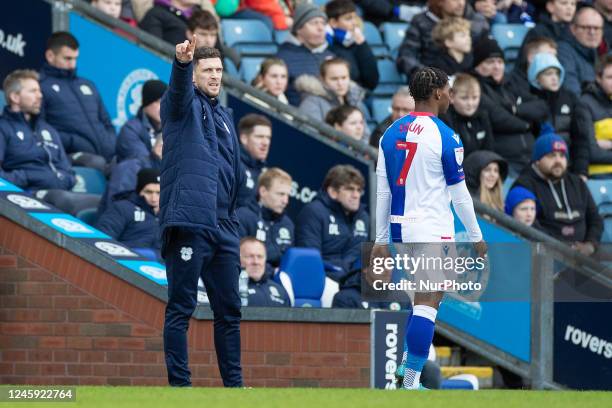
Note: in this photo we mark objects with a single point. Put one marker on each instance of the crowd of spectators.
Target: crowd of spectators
(541, 122)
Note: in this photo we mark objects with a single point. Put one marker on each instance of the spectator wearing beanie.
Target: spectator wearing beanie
(511, 111)
(521, 205)
(566, 209)
(566, 114)
(137, 136)
(124, 175)
(132, 219)
(306, 48)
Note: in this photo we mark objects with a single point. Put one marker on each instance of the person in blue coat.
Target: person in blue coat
(336, 223)
(266, 220)
(73, 105)
(200, 177)
(137, 136)
(255, 132)
(132, 219)
(124, 178)
(263, 291)
(31, 152)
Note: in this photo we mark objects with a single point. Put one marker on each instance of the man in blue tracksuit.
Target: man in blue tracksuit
(263, 291)
(31, 152)
(336, 223)
(199, 184)
(266, 220)
(124, 175)
(255, 133)
(132, 218)
(137, 136)
(73, 105)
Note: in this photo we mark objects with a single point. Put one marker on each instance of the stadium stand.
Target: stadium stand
(393, 34)
(248, 37)
(249, 68)
(509, 37)
(89, 181)
(303, 276)
(390, 79)
(375, 40)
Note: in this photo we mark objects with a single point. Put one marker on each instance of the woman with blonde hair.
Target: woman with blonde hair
(485, 172)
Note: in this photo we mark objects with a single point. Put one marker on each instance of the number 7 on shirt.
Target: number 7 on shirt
(411, 148)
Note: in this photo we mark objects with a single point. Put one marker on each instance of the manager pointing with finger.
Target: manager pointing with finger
(199, 184)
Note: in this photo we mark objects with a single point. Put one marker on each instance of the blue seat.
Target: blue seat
(248, 37)
(88, 216)
(89, 181)
(2, 101)
(230, 68)
(607, 233)
(302, 274)
(381, 108)
(394, 34)
(509, 37)
(249, 68)
(601, 190)
(375, 41)
(389, 80)
(281, 35)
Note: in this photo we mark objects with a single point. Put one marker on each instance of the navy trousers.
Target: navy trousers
(214, 256)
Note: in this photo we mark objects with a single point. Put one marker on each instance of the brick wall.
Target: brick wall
(66, 321)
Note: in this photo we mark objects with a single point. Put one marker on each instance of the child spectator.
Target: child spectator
(567, 115)
(485, 173)
(266, 220)
(454, 45)
(306, 48)
(333, 88)
(263, 292)
(347, 41)
(554, 22)
(418, 49)
(467, 118)
(273, 78)
(348, 120)
(597, 99)
(402, 104)
(74, 107)
(205, 27)
(137, 136)
(132, 219)
(518, 77)
(521, 205)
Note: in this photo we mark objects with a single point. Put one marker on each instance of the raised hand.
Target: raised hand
(185, 50)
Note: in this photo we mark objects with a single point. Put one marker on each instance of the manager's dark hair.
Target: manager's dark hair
(62, 39)
(206, 53)
(425, 81)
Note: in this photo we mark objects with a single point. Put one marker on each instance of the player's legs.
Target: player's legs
(185, 255)
(221, 281)
(419, 335)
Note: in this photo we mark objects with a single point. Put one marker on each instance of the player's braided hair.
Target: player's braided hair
(425, 80)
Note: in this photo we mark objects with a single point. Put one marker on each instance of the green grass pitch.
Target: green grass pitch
(153, 397)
